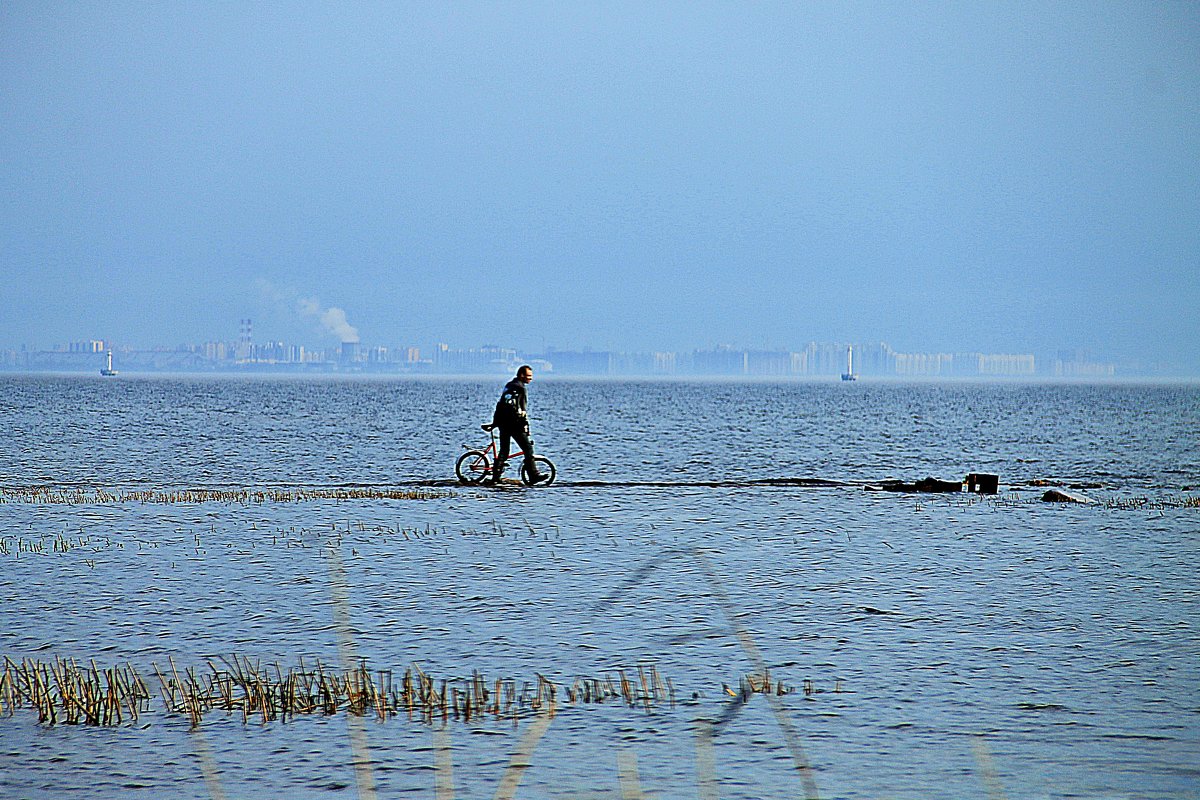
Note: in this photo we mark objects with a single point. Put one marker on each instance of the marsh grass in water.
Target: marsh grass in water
(66, 692)
(63, 691)
(49, 495)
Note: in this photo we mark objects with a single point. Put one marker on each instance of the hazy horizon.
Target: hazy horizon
(1004, 178)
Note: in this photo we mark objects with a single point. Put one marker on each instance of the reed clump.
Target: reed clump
(66, 692)
(269, 693)
(756, 683)
(752, 684)
(46, 495)
(649, 690)
(58, 543)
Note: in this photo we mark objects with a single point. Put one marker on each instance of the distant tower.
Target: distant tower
(849, 375)
(108, 371)
(245, 339)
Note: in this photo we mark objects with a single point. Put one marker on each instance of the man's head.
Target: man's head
(525, 373)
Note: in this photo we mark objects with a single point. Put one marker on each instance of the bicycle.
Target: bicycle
(474, 466)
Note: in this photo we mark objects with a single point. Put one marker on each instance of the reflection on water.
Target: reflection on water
(942, 645)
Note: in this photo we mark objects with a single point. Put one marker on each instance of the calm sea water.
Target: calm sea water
(1024, 650)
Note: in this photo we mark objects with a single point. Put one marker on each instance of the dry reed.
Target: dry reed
(46, 495)
(63, 692)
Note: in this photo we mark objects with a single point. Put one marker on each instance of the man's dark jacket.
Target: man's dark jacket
(510, 408)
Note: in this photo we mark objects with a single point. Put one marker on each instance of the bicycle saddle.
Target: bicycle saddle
(487, 426)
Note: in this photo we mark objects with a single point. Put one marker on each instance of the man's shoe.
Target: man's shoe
(497, 474)
(537, 478)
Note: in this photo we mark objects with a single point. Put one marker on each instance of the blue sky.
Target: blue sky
(1004, 177)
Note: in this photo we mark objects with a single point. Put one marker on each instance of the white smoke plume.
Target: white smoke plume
(332, 319)
(288, 301)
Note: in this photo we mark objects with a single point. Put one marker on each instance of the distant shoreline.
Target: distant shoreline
(545, 377)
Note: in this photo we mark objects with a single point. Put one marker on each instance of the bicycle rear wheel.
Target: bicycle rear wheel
(544, 465)
(472, 467)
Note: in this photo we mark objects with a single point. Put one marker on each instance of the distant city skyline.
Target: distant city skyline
(244, 353)
(945, 177)
(335, 334)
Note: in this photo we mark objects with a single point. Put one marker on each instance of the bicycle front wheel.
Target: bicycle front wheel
(544, 465)
(472, 467)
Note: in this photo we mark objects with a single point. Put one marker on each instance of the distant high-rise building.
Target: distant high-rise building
(1083, 368)
(1005, 364)
(245, 350)
(724, 360)
(924, 363)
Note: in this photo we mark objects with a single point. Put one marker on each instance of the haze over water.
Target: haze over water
(945, 177)
(954, 646)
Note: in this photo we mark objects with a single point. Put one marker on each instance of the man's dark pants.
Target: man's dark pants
(521, 436)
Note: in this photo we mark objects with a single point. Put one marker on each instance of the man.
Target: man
(513, 421)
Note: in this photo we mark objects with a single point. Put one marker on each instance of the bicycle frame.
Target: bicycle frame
(492, 449)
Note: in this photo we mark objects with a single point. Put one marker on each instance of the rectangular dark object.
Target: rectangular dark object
(983, 483)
